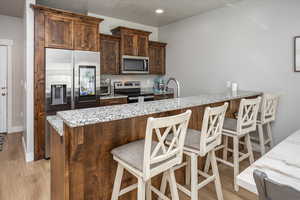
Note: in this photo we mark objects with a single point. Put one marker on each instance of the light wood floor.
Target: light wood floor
(31, 181)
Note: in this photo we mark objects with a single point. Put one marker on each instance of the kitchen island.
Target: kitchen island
(81, 140)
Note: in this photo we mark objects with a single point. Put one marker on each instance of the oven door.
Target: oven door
(135, 65)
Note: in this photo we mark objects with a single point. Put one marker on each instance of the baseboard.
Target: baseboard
(15, 129)
(29, 157)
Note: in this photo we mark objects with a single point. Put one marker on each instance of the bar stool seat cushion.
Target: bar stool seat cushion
(133, 154)
(230, 124)
(192, 139)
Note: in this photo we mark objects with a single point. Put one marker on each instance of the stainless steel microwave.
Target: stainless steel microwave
(135, 65)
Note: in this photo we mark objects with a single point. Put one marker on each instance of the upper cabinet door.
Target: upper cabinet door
(133, 42)
(58, 32)
(129, 44)
(157, 58)
(110, 54)
(143, 45)
(86, 36)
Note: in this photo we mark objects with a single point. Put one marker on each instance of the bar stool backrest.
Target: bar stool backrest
(269, 108)
(270, 190)
(212, 126)
(247, 115)
(162, 157)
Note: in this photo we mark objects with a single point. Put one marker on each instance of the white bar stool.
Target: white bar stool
(265, 117)
(147, 158)
(202, 143)
(237, 129)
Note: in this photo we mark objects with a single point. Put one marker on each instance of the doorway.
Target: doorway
(3, 87)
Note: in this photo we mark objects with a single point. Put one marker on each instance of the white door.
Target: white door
(3, 88)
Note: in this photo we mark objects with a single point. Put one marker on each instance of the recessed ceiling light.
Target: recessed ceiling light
(159, 11)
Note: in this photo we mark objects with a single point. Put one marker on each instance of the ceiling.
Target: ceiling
(140, 11)
(12, 8)
(143, 11)
(79, 6)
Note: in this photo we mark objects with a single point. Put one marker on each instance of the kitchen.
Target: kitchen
(74, 78)
(105, 83)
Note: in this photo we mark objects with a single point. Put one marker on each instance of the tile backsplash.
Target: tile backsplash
(147, 81)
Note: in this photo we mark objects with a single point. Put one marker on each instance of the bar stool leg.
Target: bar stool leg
(141, 189)
(269, 130)
(117, 183)
(194, 177)
(149, 191)
(188, 170)
(207, 163)
(173, 184)
(235, 161)
(163, 185)
(225, 149)
(261, 139)
(249, 148)
(216, 174)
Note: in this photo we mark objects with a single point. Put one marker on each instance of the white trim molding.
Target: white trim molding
(8, 43)
(29, 71)
(29, 157)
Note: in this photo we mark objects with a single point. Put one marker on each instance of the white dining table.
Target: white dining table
(281, 164)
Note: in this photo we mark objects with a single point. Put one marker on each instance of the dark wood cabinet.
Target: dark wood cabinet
(143, 46)
(86, 36)
(129, 44)
(68, 31)
(113, 101)
(157, 58)
(110, 54)
(58, 31)
(133, 42)
(163, 96)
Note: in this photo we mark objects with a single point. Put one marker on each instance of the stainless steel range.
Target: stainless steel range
(134, 92)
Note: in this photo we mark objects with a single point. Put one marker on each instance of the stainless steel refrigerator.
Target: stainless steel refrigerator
(72, 82)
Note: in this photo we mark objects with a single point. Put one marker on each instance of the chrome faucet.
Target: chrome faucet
(177, 85)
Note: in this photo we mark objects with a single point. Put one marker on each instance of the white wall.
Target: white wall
(250, 42)
(29, 79)
(12, 29)
(111, 23)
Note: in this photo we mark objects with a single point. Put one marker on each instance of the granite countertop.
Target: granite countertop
(76, 118)
(281, 164)
(57, 123)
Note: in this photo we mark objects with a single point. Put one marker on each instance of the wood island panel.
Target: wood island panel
(91, 170)
(113, 101)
